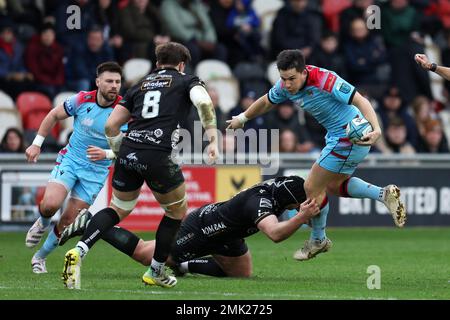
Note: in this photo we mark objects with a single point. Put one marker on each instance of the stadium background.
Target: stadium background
(234, 53)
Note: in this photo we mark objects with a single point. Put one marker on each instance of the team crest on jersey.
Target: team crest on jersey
(299, 103)
(309, 92)
(132, 156)
(158, 133)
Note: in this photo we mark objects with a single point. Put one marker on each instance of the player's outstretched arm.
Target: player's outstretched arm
(116, 120)
(369, 113)
(257, 108)
(205, 108)
(56, 114)
(279, 231)
(423, 61)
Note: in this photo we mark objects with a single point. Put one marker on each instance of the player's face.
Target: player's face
(109, 84)
(293, 80)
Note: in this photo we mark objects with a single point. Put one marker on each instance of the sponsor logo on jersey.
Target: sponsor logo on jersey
(185, 239)
(265, 203)
(343, 87)
(214, 228)
(329, 83)
(89, 109)
(88, 122)
(156, 83)
(158, 133)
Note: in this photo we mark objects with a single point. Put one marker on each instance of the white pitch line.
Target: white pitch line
(214, 293)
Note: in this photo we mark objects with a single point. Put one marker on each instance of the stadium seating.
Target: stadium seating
(272, 73)
(33, 107)
(263, 6)
(252, 77)
(9, 118)
(228, 91)
(6, 102)
(135, 69)
(212, 69)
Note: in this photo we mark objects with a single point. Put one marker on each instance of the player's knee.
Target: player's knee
(177, 209)
(49, 206)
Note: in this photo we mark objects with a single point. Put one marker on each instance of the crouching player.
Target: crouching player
(215, 232)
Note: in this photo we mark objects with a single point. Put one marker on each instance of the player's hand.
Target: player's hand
(234, 123)
(213, 152)
(423, 61)
(370, 138)
(32, 153)
(309, 209)
(96, 153)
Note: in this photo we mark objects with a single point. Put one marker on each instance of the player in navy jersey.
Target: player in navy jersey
(74, 172)
(219, 229)
(153, 109)
(333, 102)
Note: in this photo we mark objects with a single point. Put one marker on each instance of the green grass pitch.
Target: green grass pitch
(414, 264)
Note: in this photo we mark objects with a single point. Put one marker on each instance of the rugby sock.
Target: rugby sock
(319, 222)
(206, 266)
(357, 188)
(49, 245)
(101, 222)
(121, 239)
(44, 220)
(165, 235)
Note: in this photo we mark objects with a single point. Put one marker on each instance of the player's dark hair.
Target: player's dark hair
(288, 190)
(110, 66)
(172, 53)
(289, 59)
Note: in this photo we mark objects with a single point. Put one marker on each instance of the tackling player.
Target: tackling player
(333, 102)
(74, 172)
(155, 105)
(219, 229)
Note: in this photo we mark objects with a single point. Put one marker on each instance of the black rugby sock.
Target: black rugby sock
(101, 222)
(122, 239)
(165, 235)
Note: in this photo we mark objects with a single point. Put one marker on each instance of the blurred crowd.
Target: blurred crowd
(39, 53)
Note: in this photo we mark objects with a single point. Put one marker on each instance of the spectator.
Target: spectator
(392, 106)
(295, 27)
(285, 117)
(83, 61)
(401, 25)
(254, 124)
(107, 17)
(243, 19)
(44, 58)
(69, 33)
(327, 55)
(423, 111)
(395, 135)
(433, 139)
(357, 10)
(13, 141)
(14, 78)
(446, 60)
(364, 53)
(288, 141)
(141, 28)
(188, 22)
